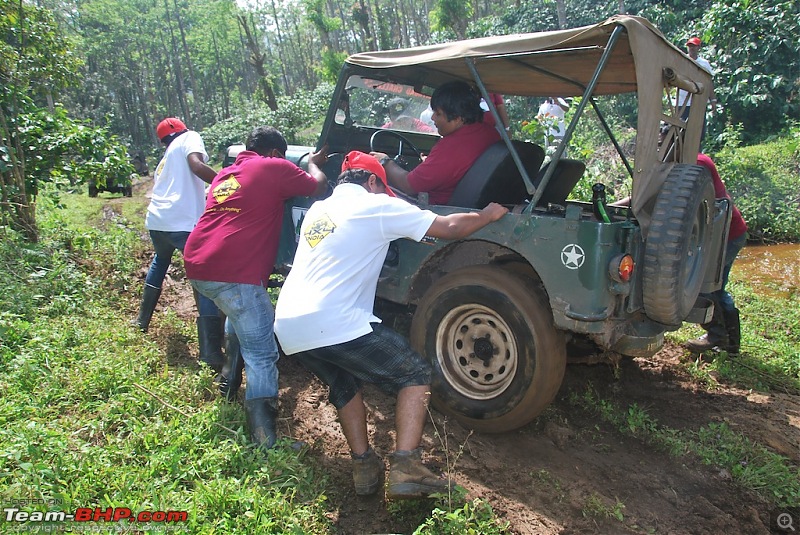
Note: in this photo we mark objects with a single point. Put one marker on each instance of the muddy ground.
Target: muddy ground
(565, 473)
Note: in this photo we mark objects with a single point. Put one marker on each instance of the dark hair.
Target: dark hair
(354, 176)
(458, 99)
(264, 139)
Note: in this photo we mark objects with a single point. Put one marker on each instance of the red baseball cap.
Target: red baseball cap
(361, 160)
(694, 41)
(170, 125)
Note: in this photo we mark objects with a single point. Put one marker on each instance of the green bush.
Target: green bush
(299, 118)
(764, 181)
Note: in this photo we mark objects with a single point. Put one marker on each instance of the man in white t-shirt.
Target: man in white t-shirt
(324, 316)
(552, 111)
(176, 204)
(693, 51)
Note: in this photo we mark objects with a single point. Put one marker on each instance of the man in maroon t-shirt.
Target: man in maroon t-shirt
(724, 330)
(458, 117)
(230, 254)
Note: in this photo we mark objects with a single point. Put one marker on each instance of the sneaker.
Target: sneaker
(368, 471)
(408, 477)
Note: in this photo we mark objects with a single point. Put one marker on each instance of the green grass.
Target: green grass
(94, 414)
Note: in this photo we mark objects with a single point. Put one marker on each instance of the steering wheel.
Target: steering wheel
(398, 158)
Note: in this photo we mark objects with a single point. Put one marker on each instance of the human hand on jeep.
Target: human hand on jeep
(495, 211)
(320, 157)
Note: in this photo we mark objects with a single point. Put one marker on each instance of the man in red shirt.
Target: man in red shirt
(723, 331)
(230, 254)
(458, 117)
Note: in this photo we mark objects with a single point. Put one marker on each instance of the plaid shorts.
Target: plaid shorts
(382, 357)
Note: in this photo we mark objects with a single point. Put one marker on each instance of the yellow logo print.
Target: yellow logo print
(318, 230)
(225, 189)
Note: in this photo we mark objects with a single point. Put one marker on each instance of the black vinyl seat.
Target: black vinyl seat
(494, 176)
(566, 175)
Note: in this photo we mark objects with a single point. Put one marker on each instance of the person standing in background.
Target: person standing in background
(552, 111)
(176, 204)
(693, 45)
(500, 104)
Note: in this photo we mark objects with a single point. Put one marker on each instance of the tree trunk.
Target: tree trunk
(195, 96)
(176, 60)
(17, 204)
(257, 59)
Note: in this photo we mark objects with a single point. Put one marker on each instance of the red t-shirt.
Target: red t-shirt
(738, 226)
(236, 239)
(450, 159)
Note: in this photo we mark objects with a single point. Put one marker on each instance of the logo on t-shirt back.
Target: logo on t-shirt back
(225, 189)
(318, 230)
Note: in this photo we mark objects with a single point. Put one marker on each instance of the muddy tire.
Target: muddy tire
(498, 361)
(677, 251)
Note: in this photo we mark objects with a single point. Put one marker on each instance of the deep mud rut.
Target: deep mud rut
(568, 472)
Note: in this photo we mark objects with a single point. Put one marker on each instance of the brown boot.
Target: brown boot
(408, 478)
(368, 471)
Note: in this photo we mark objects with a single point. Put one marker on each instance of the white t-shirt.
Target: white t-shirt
(683, 95)
(554, 110)
(179, 196)
(328, 297)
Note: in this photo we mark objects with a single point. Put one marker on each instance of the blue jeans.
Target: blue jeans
(165, 244)
(721, 296)
(250, 318)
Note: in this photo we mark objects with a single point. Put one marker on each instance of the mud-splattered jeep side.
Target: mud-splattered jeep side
(498, 312)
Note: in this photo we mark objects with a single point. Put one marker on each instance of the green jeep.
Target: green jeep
(498, 312)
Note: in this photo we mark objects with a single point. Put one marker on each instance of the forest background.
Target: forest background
(86, 81)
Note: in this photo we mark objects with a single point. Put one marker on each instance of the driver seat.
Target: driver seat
(494, 176)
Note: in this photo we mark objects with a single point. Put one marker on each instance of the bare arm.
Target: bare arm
(396, 175)
(455, 226)
(315, 160)
(204, 171)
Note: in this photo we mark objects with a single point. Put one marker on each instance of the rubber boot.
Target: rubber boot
(408, 477)
(230, 377)
(150, 297)
(368, 472)
(734, 329)
(261, 415)
(716, 336)
(209, 338)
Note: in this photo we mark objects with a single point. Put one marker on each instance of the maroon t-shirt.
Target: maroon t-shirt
(450, 159)
(236, 239)
(738, 226)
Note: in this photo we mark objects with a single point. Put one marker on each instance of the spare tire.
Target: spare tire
(677, 250)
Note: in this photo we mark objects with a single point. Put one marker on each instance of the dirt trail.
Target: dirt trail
(565, 473)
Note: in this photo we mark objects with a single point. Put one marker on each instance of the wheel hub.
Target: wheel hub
(477, 351)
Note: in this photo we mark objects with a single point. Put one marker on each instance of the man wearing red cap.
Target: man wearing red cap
(324, 316)
(175, 206)
(231, 253)
(693, 50)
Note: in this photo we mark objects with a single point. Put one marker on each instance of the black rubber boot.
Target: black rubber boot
(150, 297)
(716, 336)
(209, 338)
(261, 415)
(230, 377)
(734, 329)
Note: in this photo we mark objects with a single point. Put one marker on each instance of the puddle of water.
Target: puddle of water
(771, 269)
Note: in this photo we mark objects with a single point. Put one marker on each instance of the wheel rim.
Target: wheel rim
(476, 351)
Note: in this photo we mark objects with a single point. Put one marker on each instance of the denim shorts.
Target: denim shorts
(382, 357)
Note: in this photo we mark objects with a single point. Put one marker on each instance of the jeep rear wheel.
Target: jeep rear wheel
(497, 358)
(677, 251)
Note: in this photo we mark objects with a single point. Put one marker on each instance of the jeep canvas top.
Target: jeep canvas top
(498, 312)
